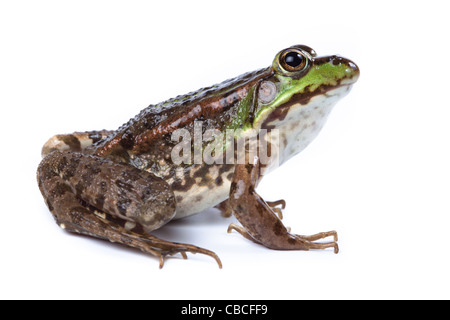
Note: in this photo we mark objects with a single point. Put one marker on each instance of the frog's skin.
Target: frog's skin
(120, 185)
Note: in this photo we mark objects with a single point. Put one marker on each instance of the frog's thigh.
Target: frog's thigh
(259, 220)
(117, 189)
(75, 142)
(79, 189)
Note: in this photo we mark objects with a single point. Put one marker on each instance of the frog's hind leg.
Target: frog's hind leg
(74, 142)
(92, 196)
(76, 218)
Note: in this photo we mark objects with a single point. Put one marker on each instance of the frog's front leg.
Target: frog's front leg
(227, 211)
(111, 201)
(259, 221)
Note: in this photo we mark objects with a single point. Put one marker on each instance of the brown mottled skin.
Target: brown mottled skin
(120, 185)
(76, 186)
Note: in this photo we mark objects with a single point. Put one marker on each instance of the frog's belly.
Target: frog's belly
(204, 188)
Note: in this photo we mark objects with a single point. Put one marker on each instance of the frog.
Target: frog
(120, 185)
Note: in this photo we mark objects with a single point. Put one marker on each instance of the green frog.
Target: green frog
(120, 185)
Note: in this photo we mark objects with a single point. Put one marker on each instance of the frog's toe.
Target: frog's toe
(274, 205)
(241, 230)
(309, 243)
(173, 248)
(321, 235)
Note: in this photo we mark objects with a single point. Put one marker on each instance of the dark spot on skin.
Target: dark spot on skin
(278, 228)
(122, 206)
(198, 198)
(79, 188)
(62, 163)
(114, 219)
(60, 189)
(201, 172)
(138, 229)
(183, 184)
(69, 173)
(70, 140)
(225, 168)
(179, 198)
(230, 176)
(127, 140)
(99, 201)
(219, 181)
(71, 168)
(233, 187)
(260, 207)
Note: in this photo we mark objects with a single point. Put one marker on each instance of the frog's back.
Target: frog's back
(216, 106)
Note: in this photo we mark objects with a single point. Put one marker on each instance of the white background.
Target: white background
(379, 173)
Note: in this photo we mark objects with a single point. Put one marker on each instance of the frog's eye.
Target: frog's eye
(293, 60)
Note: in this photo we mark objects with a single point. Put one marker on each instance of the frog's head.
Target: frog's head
(299, 94)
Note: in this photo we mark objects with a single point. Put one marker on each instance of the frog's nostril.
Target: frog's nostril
(353, 66)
